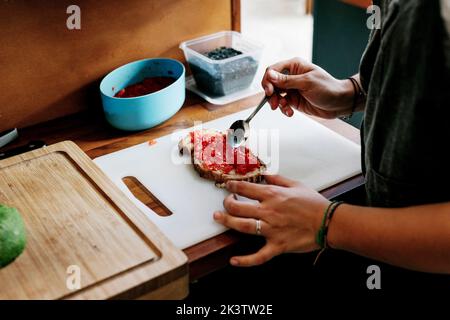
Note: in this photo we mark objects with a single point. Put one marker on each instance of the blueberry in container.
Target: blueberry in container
(222, 63)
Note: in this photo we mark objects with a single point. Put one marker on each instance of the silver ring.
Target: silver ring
(258, 227)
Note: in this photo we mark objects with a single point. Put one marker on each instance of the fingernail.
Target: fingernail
(217, 215)
(290, 113)
(234, 262)
(273, 74)
(229, 185)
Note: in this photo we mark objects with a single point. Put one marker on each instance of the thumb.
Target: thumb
(285, 81)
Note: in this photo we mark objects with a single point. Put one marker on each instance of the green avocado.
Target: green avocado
(12, 235)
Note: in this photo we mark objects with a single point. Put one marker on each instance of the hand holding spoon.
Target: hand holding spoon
(240, 129)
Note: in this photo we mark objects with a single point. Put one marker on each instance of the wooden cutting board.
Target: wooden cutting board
(77, 219)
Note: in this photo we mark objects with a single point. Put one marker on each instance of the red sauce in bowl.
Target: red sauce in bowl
(147, 86)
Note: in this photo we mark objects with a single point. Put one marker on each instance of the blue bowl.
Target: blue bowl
(143, 112)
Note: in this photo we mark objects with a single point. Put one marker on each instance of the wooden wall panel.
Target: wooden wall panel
(48, 71)
(236, 15)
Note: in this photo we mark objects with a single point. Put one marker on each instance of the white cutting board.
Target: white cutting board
(307, 150)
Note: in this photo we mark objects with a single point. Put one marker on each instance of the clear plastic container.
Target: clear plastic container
(222, 77)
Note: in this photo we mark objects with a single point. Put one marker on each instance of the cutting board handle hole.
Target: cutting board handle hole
(146, 197)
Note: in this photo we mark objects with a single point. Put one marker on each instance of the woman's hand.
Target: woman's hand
(290, 214)
(308, 88)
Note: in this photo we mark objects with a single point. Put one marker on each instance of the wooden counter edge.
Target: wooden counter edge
(175, 290)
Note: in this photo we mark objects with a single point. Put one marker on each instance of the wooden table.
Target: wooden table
(90, 131)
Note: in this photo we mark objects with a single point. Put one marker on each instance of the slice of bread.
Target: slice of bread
(214, 160)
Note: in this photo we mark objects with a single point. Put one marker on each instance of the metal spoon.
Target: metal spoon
(240, 129)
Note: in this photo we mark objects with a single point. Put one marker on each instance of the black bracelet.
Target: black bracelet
(356, 95)
(330, 216)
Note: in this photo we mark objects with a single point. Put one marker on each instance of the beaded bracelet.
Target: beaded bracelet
(321, 237)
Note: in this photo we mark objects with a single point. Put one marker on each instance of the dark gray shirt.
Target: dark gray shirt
(406, 129)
